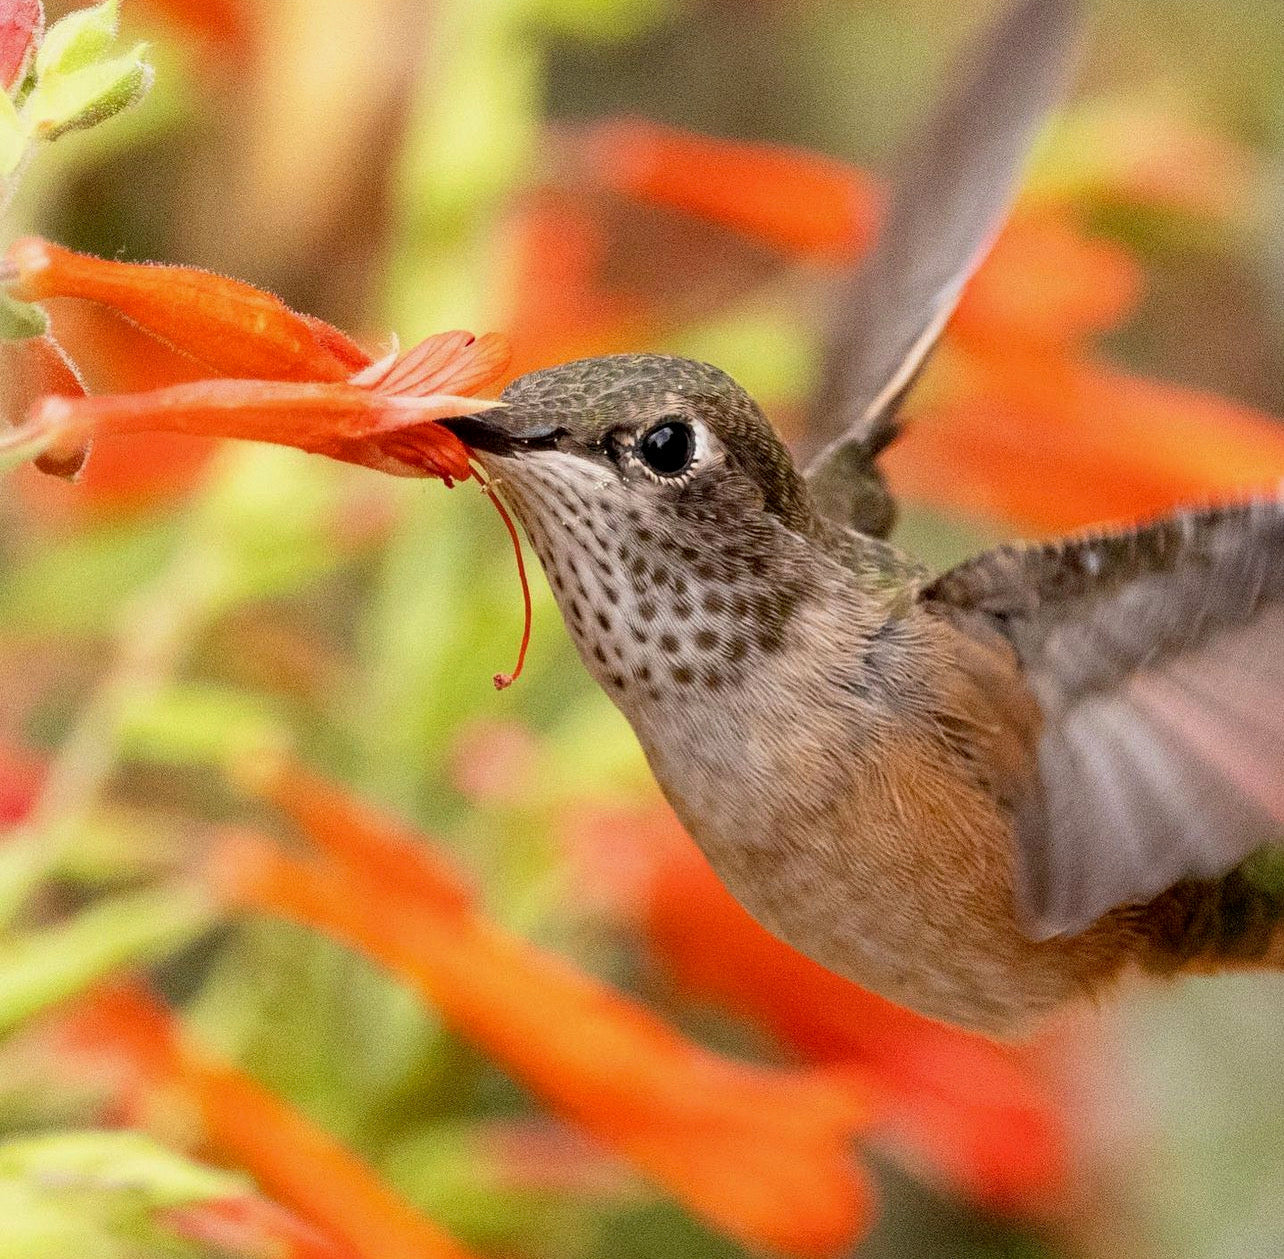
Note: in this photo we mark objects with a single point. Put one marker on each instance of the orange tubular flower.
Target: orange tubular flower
(21, 777)
(798, 202)
(762, 1154)
(1054, 445)
(226, 27)
(254, 1227)
(127, 474)
(561, 309)
(959, 1109)
(229, 327)
(312, 387)
(1045, 285)
(290, 1157)
(31, 369)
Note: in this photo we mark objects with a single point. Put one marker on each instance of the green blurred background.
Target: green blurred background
(370, 163)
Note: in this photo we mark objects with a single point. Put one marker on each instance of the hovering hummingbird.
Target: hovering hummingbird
(982, 793)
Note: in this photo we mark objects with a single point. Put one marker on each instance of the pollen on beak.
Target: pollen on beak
(501, 431)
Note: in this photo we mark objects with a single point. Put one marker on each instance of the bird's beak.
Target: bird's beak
(502, 431)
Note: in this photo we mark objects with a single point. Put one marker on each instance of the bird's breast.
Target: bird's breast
(844, 819)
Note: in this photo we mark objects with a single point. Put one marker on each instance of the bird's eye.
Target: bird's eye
(667, 448)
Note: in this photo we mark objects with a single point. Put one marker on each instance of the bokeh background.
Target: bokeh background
(559, 170)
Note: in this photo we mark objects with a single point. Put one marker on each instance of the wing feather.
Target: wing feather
(950, 195)
(1157, 659)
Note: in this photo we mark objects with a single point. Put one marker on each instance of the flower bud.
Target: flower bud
(60, 102)
(22, 22)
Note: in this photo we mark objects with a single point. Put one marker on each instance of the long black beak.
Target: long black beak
(501, 432)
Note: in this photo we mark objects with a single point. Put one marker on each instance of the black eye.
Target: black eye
(667, 448)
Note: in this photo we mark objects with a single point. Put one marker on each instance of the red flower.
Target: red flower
(1045, 285)
(22, 23)
(228, 327)
(126, 1030)
(1040, 432)
(126, 474)
(561, 309)
(760, 1153)
(311, 386)
(1054, 444)
(34, 368)
(799, 202)
(307, 394)
(21, 776)
(226, 27)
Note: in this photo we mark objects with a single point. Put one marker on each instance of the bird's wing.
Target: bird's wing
(951, 193)
(1157, 658)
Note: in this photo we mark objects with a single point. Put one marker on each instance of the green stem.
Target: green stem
(41, 969)
(153, 638)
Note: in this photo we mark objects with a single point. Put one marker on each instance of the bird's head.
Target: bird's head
(662, 506)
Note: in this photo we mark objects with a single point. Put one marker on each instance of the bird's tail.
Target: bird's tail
(1214, 924)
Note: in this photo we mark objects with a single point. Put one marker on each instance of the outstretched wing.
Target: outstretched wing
(1157, 658)
(950, 195)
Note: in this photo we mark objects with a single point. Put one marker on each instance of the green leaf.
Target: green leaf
(78, 585)
(43, 968)
(36, 1225)
(78, 40)
(126, 1163)
(71, 102)
(100, 1195)
(21, 320)
(199, 723)
(602, 20)
(13, 136)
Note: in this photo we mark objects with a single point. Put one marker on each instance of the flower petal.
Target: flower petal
(22, 774)
(225, 28)
(343, 421)
(796, 201)
(232, 328)
(30, 369)
(354, 833)
(295, 1161)
(450, 363)
(1047, 283)
(1051, 443)
(562, 307)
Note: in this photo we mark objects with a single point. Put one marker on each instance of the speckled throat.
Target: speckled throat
(660, 617)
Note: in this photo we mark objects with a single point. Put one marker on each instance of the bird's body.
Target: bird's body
(849, 749)
(981, 794)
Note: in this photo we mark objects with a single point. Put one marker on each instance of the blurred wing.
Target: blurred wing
(949, 199)
(1157, 658)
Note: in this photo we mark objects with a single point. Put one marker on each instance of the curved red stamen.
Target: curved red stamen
(503, 680)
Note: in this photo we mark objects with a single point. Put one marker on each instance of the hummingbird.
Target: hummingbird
(985, 793)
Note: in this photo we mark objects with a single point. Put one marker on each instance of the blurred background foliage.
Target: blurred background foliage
(416, 165)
